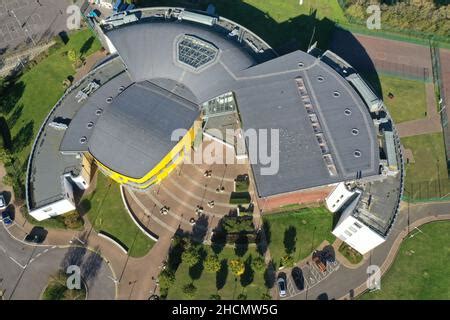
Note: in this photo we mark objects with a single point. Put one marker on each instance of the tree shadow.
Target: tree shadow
(5, 133)
(87, 45)
(84, 206)
(195, 272)
(241, 245)
(263, 242)
(217, 247)
(290, 239)
(200, 228)
(73, 257)
(23, 138)
(175, 252)
(91, 266)
(11, 92)
(64, 37)
(249, 274)
(15, 115)
(269, 275)
(222, 274)
(348, 47)
(286, 36)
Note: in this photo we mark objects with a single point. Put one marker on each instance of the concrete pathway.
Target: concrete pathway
(17, 60)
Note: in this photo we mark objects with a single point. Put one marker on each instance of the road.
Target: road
(342, 282)
(25, 269)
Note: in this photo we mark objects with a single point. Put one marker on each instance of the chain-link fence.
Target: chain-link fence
(403, 70)
(432, 190)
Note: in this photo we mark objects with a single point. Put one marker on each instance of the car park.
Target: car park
(6, 218)
(297, 276)
(281, 281)
(37, 235)
(2, 202)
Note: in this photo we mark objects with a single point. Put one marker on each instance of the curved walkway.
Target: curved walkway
(395, 248)
(25, 269)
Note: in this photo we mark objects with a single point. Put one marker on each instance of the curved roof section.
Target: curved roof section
(134, 133)
(149, 50)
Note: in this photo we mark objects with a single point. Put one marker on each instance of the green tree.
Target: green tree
(237, 267)
(212, 263)
(287, 261)
(72, 55)
(191, 256)
(215, 297)
(5, 157)
(190, 290)
(166, 278)
(258, 264)
(266, 296)
(242, 296)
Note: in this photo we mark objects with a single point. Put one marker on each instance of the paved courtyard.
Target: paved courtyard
(184, 191)
(25, 21)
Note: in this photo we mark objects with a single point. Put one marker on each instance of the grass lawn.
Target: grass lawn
(420, 270)
(422, 176)
(277, 22)
(208, 283)
(300, 230)
(42, 86)
(57, 289)
(106, 212)
(409, 102)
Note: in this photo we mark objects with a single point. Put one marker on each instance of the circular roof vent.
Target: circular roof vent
(336, 94)
(99, 111)
(320, 78)
(301, 64)
(83, 140)
(90, 125)
(109, 99)
(347, 111)
(355, 131)
(357, 153)
(121, 88)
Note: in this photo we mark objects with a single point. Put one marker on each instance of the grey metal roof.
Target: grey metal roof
(134, 133)
(273, 101)
(87, 114)
(47, 163)
(379, 204)
(267, 98)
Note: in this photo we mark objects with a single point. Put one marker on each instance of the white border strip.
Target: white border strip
(105, 236)
(132, 216)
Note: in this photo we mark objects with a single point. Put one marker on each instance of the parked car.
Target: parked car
(299, 280)
(281, 281)
(37, 235)
(6, 218)
(2, 202)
